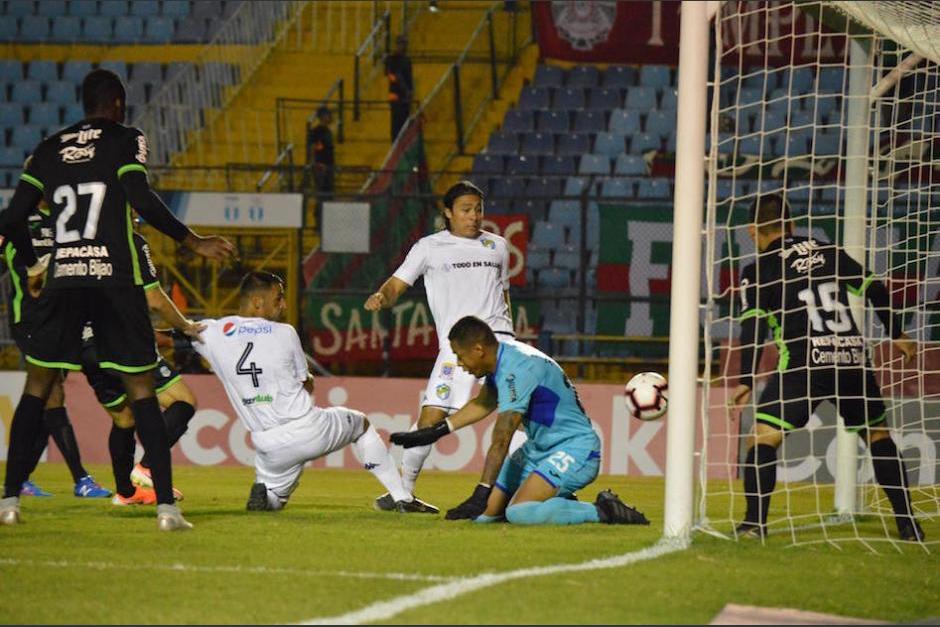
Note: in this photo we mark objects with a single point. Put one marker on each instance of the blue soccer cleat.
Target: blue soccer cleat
(31, 489)
(87, 487)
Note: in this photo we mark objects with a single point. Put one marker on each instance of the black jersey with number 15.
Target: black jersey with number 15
(78, 170)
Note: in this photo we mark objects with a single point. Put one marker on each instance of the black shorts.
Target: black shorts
(789, 398)
(109, 390)
(118, 315)
(19, 331)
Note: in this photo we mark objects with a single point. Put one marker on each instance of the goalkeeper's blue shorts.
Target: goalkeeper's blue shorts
(568, 467)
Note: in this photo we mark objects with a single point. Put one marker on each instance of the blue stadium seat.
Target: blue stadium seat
(72, 114)
(118, 67)
(61, 92)
(547, 235)
(575, 185)
(175, 67)
(660, 122)
(51, 8)
(26, 92)
(564, 212)
(583, 76)
(549, 76)
(671, 143)
(624, 122)
(75, 71)
(655, 189)
(26, 137)
(555, 278)
(568, 99)
(827, 145)
(11, 114)
(655, 75)
(128, 29)
(496, 206)
(553, 121)
(617, 188)
(145, 8)
(798, 81)
(207, 9)
(669, 100)
(9, 29)
(749, 96)
(830, 79)
(630, 165)
(519, 121)
(83, 8)
(594, 164)
(532, 207)
(619, 76)
(147, 72)
(522, 165)
(538, 143)
(640, 98)
(757, 78)
(829, 193)
(20, 8)
(66, 28)
(42, 71)
(44, 114)
(158, 29)
(97, 28)
(136, 93)
(537, 257)
(567, 257)
(509, 187)
(176, 8)
(604, 98)
(190, 29)
(802, 118)
(34, 28)
(543, 187)
(487, 164)
(561, 165)
(11, 156)
(590, 121)
(535, 98)
(573, 144)
(644, 142)
(752, 145)
(772, 120)
(609, 144)
(113, 8)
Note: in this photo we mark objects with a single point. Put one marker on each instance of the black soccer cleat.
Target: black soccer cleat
(612, 511)
(909, 529)
(750, 530)
(258, 498)
(384, 503)
(415, 506)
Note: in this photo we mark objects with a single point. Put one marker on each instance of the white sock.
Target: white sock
(374, 455)
(412, 459)
(518, 439)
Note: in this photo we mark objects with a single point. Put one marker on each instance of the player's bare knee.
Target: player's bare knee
(56, 394)
(138, 385)
(123, 419)
(39, 380)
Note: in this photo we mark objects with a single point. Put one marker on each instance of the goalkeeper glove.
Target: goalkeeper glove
(421, 437)
(473, 506)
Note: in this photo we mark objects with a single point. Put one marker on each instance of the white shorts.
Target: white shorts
(449, 386)
(281, 452)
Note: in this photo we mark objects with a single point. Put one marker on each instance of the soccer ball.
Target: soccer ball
(645, 396)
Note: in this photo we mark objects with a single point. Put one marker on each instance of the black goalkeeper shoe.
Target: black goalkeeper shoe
(751, 530)
(909, 529)
(384, 503)
(415, 506)
(258, 498)
(612, 511)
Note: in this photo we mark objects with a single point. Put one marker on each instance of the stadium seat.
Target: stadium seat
(207, 9)
(26, 137)
(655, 76)
(654, 189)
(487, 164)
(594, 164)
(575, 185)
(175, 8)
(609, 144)
(9, 29)
(619, 76)
(567, 257)
(118, 67)
(532, 207)
(11, 156)
(827, 145)
(508, 187)
(128, 29)
(549, 76)
(537, 257)
(670, 143)
(555, 278)
(26, 92)
(72, 114)
(568, 99)
(11, 115)
(136, 93)
(771, 120)
(147, 72)
(547, 235)
(42, 71)
(574, 144)
(519, 121)
(145, 8)
(560, 165)
(552, 121)
(522, 165)
(798, 81)
(66, 28)
(113, 8)
(590, 121)
(669, 100)
(51, 8)
(583, 76)
(830, 79)
(83, 8)
(190, 29)
(97, 28)
(44, 114)
(158, 29)
(660, 122)
(495, 206)
(630, 165)
(543, 187)
(20, 8)
(623, 122)
(644, 142)
(535, 99)
(75, 71)
(564, 212)
(752, 145)
(34, 28)
(538, 143)
(640, 98)
(802, 119)
(617, 188)
(604, 99)
(61, 92)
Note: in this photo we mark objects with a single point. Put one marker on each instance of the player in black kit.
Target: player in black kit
(798, 288)
(91, 174)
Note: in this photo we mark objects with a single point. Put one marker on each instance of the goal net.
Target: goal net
(834, 105)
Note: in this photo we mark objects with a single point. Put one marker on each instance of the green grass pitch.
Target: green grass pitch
(86, 561)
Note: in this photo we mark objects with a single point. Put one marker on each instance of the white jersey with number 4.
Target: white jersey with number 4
(463, 277)
(262, 367)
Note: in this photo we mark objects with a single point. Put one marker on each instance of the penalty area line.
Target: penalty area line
(384, 610)
(235, 570)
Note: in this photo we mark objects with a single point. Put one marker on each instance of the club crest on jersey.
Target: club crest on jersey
(447, 370)
(442, 391)
(488, 243)
(229, 329)
(164, 371)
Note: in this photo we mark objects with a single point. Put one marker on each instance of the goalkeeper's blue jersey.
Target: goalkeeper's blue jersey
(530, 382)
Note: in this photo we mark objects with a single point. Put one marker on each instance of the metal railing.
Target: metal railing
(370, 57)
(286, 154)
(333, 26)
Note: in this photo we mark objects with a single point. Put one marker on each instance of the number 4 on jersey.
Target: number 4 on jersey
(252, 370)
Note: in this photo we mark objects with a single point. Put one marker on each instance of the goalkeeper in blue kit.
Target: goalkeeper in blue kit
(533, 486)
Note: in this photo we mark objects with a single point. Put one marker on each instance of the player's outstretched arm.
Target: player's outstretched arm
(160, 303)
(387, 295)
(213, 247)
(474, 411)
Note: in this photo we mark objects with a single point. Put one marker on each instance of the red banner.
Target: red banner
(515, 229)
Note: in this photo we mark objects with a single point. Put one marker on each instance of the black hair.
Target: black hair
(472, 330)
(257, 281)
(100, 89)
(769, 212)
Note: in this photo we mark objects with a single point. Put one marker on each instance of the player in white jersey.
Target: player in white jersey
(466, 273)
(263, 369)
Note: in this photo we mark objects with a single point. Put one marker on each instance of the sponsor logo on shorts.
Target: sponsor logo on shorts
(442, 391)
(447, 370)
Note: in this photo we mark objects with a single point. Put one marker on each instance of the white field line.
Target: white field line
(383, 610)
(242, 570)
